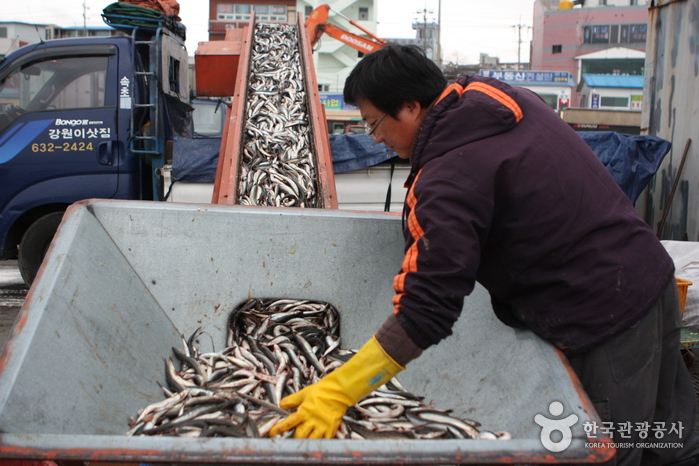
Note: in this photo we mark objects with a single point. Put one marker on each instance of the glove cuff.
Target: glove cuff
(367, 370)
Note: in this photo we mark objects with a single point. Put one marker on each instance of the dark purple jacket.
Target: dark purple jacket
(503, 192)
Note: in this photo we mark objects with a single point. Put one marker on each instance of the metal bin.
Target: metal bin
(124, 279)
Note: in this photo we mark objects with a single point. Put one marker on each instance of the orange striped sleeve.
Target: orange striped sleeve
(490, 91)
(498, 95)
(411, 255)
(452, 87)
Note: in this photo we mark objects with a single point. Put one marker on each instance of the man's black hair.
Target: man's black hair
(393, 75)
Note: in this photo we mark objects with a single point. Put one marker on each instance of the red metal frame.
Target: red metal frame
(226, 183)
(319, 127)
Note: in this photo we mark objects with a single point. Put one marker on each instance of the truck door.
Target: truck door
(58, 127)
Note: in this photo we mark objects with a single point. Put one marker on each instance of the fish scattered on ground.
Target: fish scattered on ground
(275, 347)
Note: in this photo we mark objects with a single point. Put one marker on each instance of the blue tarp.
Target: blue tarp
(195, 160)
(632, 160)
(355, 151)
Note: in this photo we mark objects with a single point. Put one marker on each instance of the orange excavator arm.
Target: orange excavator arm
(317, 24)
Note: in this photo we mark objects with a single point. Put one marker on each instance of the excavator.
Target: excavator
(317, 24)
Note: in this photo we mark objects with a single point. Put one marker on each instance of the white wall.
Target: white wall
(611, 92)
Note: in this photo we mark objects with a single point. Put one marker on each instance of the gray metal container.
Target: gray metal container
(123, 280)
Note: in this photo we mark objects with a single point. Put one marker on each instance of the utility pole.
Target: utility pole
(423, 27)
(519, 27)
(439, 34)
(85, 18)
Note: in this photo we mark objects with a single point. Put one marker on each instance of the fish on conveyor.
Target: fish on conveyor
(277, 165)
(275, 347)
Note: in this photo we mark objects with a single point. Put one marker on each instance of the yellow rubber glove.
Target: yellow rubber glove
(322, 405)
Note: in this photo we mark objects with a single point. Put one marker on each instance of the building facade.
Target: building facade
(236, 14)
(333, 59)
(427, 38)
(611, 92)
(601, 37)
(14, 34)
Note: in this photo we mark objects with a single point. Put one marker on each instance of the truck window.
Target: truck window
(58, 84)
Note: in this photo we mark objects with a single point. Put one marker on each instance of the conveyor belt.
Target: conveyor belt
(275, 150)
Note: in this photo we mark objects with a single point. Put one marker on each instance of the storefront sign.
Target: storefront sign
(335, 102)
(550, 77)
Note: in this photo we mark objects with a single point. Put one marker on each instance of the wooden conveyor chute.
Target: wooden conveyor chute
(230, 166)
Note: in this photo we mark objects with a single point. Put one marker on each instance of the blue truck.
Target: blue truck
(108, 118)
(85, 118)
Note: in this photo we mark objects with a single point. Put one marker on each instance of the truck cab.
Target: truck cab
(83, 118)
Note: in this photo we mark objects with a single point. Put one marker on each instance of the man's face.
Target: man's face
(397, 133)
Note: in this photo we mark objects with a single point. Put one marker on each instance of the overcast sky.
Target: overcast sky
(469, 27)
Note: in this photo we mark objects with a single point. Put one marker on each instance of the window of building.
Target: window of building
(616, 102)
(600, 34)
(632, 66)
(551, 99)
(363, 13)
(602, 2)
(637, 32)
(307, 11)
(624, 34)
(323, 87)
(596, 34)
(261, 9)
(3, 32)
(242, 12)
(614, 34)
(278, 13)
(557, 48)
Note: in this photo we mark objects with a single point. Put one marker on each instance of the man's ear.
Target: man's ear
(413, 108)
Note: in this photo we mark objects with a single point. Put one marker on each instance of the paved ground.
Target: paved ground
(12, 293)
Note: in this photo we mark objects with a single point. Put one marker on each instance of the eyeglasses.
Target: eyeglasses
(369, 130)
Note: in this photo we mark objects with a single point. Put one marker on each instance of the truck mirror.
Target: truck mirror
(31, 71)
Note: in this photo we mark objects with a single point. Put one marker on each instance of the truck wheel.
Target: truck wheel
(35, 243)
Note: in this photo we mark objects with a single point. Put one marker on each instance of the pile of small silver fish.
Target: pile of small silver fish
(276, 347)
(277, 166)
